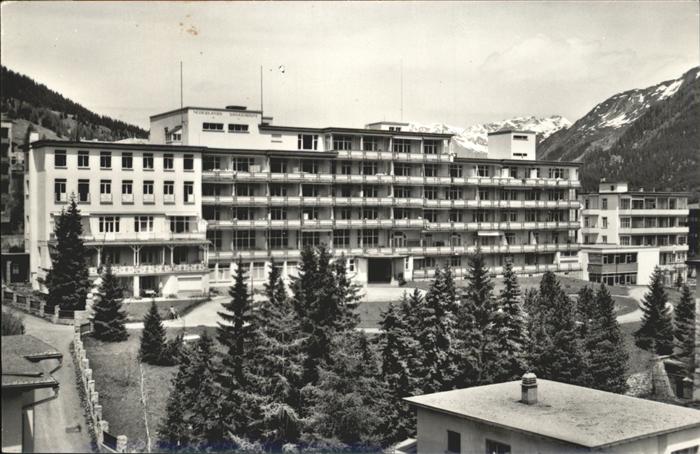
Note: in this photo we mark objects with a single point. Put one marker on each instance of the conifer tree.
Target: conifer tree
(109, 318)
(508, 331)
(174, 433)
(554, 350)
(153, 342)
(236, 332)
(435, 333)
(606, 353)
(678, 284)
(475, 326)
(684, 328)
(655, 335)
(585, 307)
(68, 280)
(398, 350)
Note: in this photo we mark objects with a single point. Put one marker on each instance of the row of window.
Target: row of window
(127, 191)
(639, 204)
(127, 160)
(111, 224)
(219, 127)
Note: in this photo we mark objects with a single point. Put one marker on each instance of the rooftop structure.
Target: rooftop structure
(538, 415)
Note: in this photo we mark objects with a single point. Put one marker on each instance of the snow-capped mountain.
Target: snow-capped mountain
(602, 126)
(473, 138)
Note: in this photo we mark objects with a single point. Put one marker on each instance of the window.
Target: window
(342, 142)
(402, 192)
(84, 191)
(454, 442)
(278, 165)
(509, 216)
(309, 166)
(188, 188)
(519, 137)
(513, 172)
(556, 173)
(624, 204)
(233, 127)
(127, 191)
(403, 170)
(483, 194)
(482, 171)
(83, 159)
(369, 213)
(143, 224)
(168, 191)
(401, 146)
(430, 192)
(108, 224)
(59, 189)
(105, 186)
(168, 161)
(430, 147)
(242, 213)
(604, 202)
(430, 215)
(605, 222)
(345, 213)
(456, 171)
(242, 164)
(214, 236)
(211, 163)
(370, 238)
(148, 196)
(188, 162)
(213, 127)
(370, 144)
(310, 213)
(430, 170)
(59, 159)
(243, 189)
(243, 239)
(625, 223)
(307, 141)
(605, 239)
(310, 190)
(310, 238)
(369, 168)
(345, 168)
(625, 240)
(279, 239)
(278, 190)
(351, 265)
(401, 213)
(341, 238)
(454, 193)
(394, 128)
(148, 161)
(456, 261)
(278, 213)
(370, 191)
(495, 447)
(127, 161)
(455, 216)
(105, 160)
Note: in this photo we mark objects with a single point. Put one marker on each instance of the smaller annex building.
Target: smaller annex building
(545, 416)
(25, 384)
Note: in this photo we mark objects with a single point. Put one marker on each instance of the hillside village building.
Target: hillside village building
(545, 416)
(625, 234)
(218, 185)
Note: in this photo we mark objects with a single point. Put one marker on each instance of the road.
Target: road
(52, 418)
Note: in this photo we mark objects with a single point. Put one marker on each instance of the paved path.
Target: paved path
(53, 417)
(637, 293)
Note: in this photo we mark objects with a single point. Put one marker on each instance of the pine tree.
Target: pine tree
(435, 335)
(585, 307)
(236, 332)
(508, 331)
(153, 342)
(684, 328)
(475, 327)
(68, 280)
(678, 284)
(398, 351)
(554, 350)
(656, 332)
(109, 318)
(606, 353)
(174, 433)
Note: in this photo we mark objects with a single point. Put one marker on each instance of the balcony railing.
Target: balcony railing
(122, 270)
(149, 198)
(128, 198)
(143, 236)
(105, 198)
(169, 198)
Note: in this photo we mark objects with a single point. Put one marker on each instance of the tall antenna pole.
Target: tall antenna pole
(402, 89)
(261, 90)
(181, 103)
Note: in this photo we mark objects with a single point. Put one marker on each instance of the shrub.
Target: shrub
(11, 324)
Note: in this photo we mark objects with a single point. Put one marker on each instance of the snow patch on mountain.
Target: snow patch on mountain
(670, 90)
(475, 138)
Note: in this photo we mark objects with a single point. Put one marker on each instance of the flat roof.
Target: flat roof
(566, 413)
(509, 131)
(367, 131)
(602, 247)
(186, 108)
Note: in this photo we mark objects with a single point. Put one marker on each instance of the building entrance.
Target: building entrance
(378, 271)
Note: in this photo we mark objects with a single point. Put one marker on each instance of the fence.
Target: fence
(36, 306)
(106, 442)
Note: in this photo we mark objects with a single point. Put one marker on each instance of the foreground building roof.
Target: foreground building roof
(19, 356)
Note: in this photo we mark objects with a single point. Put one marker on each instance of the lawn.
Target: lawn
(117, 378)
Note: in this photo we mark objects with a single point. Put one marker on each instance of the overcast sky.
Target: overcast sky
(463, 63)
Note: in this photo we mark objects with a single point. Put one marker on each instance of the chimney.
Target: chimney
(529, 389)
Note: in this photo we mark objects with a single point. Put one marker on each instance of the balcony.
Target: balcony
(652, 230)
(520, 269)
(105, 198)
(150, 198)
(131, 270)
(168, 198)
(60, 197)
(655, 212)
(128, 198)
(136, 237)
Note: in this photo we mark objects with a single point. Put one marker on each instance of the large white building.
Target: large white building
(396, 203)
(625, 234)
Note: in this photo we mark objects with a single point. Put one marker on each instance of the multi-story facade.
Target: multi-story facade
(5, 170)
(141, 208)
(395, 203)
(620, 226)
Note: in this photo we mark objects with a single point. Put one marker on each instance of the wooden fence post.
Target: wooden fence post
(54, 319)
(42, 306)
(121, 443)
(28, 304)
(102, 427)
